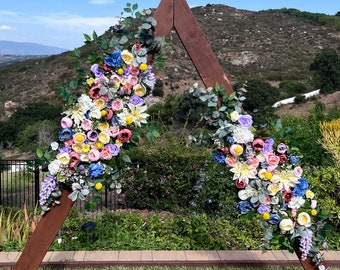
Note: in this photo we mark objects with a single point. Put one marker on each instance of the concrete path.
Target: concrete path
(74, 259)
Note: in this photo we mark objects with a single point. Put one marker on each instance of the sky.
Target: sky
(62, 23)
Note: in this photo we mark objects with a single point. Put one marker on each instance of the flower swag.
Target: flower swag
(267, 175)
(106, 116)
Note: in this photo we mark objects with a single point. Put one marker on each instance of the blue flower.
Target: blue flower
(114, 59)
(263, 208)
(95, 170)
(65, 134)
(293, 159)
(274, 219)
(301, 187)
(220, 158)
(244, 207)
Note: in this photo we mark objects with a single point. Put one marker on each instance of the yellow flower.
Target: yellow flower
(103, 137)
(273, 189)
(86, 148)
(119, 143)
(77, 147)
(79, 138)
(128, 120)
(90, 81)
(268, 175)
(313, 212)
(120, 71)
(127, 57)
(100, 103)
(98, 186)
(103, 126)
(309, 194)
(304, 219)
(143, 67)
(139, 90)
(266, 216)
(99, 145)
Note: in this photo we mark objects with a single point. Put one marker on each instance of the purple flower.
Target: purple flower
(114, 59)
(245, 121)
(306, 244)
(92, 135)
(65, 149)
(243, 207)
(98, 73)
(113, 148)
(282, 148)
(95, 170)
(136, 100)
(268, 146)
(47, 187)
(263, 208)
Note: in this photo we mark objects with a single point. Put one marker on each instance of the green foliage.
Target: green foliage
(162, 176)
(326, 68)
(299, 99)
(289, 88)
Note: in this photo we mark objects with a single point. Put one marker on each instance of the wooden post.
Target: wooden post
(44, 234)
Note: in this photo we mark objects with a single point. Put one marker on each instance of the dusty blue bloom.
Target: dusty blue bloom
(114, 59)
(301, 187)
(244, 207)
(263, 208)
(95, 170)
(65, 134)
(219, 158)
(274, 219)
(293, 159)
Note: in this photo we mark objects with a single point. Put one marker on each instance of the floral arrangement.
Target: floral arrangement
(105, 118)
(267, 175)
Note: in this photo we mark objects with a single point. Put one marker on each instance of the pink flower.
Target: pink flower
(298, 171)
(66, 122)
(313, 204)
(133, 80)
(294, 212)
(117, 105)
(236, 150)
(94, 92)
(124, 135)
(254, 161)
(113, 131)
(94, 154)
(272, 160)
(134, 70)
(86, 124)
(230, 161)
(258, 144)
(105, 154)
(240, 183)
(283, 158)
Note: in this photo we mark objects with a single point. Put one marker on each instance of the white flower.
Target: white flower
(54, 146)
(246, 193)
(285, 178)
(304, 219)
(85, 102)
(96, 114)
(243, 171)
(242, 135)
(286, 225)
(76, 113)
(136, 114)
(54, 167)
(296, 202)
(234, 116)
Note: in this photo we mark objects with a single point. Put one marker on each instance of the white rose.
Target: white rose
(234, 116)
(304, 219)
(246, 193)
(54, 167)
(54, 146)
(286, 225)
(95, 114)
(63, 158)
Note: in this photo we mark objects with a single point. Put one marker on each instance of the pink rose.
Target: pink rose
(86, 124)
(258, 144)
(105, 154)
(298, 171)
(94, 92)
(134, 70)
(74, 156)
(283, 158)
(255, 162)
(240, 183)
(313, 204)
(66, 122)
(133, 80)
(124, 135)
(94, 154)
(113, 131)
(117, 105)
(294, 212)
(272, 159)
(230, 161)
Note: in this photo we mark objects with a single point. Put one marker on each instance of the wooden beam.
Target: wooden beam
(198, 47)
(44, 235)
(164, 16)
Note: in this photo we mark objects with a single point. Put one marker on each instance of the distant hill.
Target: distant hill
(27, 48)
(270, 45)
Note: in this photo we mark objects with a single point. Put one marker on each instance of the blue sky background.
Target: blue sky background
(61, 23)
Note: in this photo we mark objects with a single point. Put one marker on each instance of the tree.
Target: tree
(326, 68)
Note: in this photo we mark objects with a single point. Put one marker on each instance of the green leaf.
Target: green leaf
(94, 35)
(87, 37)
(128, 10)
(76, 52)
(73, 84)
(135, 6)
(39, 153)
(126, 158)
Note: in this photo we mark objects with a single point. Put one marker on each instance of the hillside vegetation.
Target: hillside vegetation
(272, 45)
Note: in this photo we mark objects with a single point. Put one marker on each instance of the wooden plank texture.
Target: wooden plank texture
(43, 236)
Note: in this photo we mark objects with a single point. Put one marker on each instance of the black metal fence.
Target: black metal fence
(19, 185)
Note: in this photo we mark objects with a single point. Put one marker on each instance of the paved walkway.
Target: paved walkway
(167, 258)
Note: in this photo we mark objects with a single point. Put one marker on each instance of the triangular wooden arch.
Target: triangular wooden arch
(169, 14)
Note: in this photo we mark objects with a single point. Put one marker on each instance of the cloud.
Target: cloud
(101, 2)
(6, 27)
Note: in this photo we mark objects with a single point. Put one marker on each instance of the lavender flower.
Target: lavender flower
(47, 187)
(306, 244)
